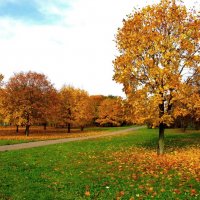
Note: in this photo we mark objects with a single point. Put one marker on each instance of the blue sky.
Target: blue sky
(31, 11)
(71, 41)
(22, 10)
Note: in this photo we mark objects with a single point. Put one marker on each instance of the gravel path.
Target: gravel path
(58, 141)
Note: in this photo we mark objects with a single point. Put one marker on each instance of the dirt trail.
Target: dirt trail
(58, 141)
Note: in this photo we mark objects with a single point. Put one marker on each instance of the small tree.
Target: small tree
(159, 56)
(111, 112)
(95, 101)
(83, 109)
(51, 114)
(75, 107)
(67, 106)
(1, 98)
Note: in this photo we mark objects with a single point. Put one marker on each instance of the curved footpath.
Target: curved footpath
(58, 141)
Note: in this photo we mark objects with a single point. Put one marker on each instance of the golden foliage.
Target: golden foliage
(158, 63)
(27, 98)
(75, 107)
(110, 112)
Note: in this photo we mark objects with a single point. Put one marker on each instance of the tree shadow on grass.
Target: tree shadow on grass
(174, 141)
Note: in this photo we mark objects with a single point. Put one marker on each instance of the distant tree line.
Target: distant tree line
(30, 99)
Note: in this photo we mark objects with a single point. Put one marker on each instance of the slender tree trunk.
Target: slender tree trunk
(27, 130)
(197, 125)
(68, 127)
(82, 127)
(45, 126)
(160, 150)
(17, 128)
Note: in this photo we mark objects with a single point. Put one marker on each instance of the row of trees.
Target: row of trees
(30, 98)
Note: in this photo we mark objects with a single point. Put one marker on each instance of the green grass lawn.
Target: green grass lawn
(120, 167)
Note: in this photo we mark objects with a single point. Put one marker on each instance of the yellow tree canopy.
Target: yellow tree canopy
(158, 62)
(27, 98)
(110, 112)
(75, 107)
(67, 104)
(84, 111)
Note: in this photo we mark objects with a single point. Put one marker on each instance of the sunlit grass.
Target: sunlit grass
(120, 167)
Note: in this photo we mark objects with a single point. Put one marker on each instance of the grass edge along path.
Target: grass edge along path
(58, 141)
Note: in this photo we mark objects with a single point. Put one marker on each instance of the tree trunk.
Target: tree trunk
(82, 127)
(197, 125)
(68, 127)
(45, 126)
(27, 130)
(160, 150)
(17, 128)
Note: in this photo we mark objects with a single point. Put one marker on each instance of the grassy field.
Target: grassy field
(9, 136)
(121, 167)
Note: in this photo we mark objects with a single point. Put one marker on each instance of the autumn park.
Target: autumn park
(67, 144)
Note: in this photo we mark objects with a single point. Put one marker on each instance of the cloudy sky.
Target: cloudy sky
(71, 41)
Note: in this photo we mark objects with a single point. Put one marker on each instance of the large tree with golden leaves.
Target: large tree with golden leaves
(27, 99)
(158, 63)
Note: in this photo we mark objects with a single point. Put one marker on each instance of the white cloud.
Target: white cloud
(79, 50)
